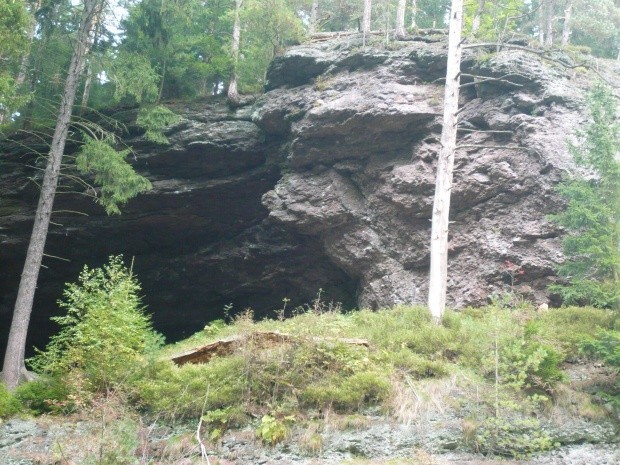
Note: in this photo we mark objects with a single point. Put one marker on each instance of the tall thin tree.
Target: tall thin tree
(400, 18)
(366, 16)
(14, 367)
(314, 16)
(549, 19)
(233, 91)
(438, 276)
(566, 29)
(475, 26)
(414, 14)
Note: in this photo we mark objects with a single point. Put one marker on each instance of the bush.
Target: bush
(349, 394)
(45, 395)
(565, 328)
(512, 437)
(9, 405)
(105, 333)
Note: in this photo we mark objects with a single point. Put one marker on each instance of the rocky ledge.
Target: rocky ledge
(325, 182)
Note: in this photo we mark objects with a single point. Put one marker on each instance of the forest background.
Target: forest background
(152, 50)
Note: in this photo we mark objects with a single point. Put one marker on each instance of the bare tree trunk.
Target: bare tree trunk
(233, 92)
(14, 367)
(367, 15)
(87, 86)
(400, 18)
(475, 26)
(549, 23)
(542, 11)
(566, 30)
(443, 184)
(89, 66)
(314, 16)
(414, 14)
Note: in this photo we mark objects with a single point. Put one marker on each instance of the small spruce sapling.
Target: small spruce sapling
(105, 334)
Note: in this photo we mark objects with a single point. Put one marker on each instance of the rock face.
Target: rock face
(362, 137)
(325, 182)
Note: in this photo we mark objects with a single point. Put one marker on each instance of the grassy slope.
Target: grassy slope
(499, 371)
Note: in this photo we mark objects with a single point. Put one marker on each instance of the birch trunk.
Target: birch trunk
(542, 11)
(14, 368)
(89, 67)
(414, 14)
(549, 23)
(566, 29)
(400, 18)
(443, 184)
(314, 16)
(475, 26)
(367, 14)
(233, 92)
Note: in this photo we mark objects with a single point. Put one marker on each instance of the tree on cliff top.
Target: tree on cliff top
(14, 21)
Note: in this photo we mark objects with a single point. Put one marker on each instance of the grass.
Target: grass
(491, 366)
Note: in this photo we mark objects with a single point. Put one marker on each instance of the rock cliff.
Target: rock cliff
(325, 182)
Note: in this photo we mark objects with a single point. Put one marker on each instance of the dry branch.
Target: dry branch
(224, 347)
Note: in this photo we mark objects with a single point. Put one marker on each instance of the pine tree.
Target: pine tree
(592, 217)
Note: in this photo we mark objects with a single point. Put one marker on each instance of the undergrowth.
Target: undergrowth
(499, 368)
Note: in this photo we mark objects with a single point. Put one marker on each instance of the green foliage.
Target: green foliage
(183, 42)
(512, 437)
(273, 430)
(133, 76)
(45, 395)
(118, 180)
(349, 394)
(497, 19)
(268, 26)
(154, 120)
(105, 335)
(219, 420)
(432, 13)
(592, 216)
(596, 24)
(527, 364)
(565, 328)
(118, 442)
(606, 346)
(14, 21)
(9, 405)
(180, 392)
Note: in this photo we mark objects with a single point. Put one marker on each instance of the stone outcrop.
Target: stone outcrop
(362, 136)
(325, 182)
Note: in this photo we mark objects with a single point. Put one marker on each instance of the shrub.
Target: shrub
(188, 390)
(565, 328)
(45, 395)
(9, 405)
(348, 394)
(105, 333)
(273, 430)
(512, 437)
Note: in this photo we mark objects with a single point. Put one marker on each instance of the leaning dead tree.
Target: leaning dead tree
(438, 276)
